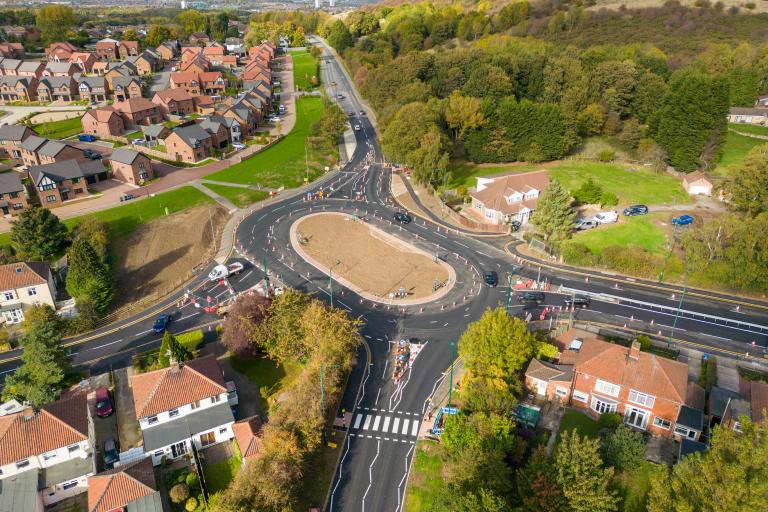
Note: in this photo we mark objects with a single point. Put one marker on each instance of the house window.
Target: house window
(152, 420)
(601, 406)
(641, 398)
(159, 453)
(635, 417)
(607, 388)
(685, 432)
(207, 438)
(561, 392)
(31, 292)
(9, 295)
(50, 199)
(69, 485)
(215, 399)
(581, 397)
(75, 180)
(73, 448)
(222, 431)
(478, 205)
(178, 449)
(47, 186)
(173, 413)
(18, 206)
(49, 455)
(22, 464)
(662, 423)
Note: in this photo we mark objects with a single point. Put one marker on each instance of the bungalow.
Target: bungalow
(130, 487)
(93, 88)
(508, 197)
(30, 68)
(138, 111)
(11, 138)
(83, 60)
(127, 49)
(182, 409)
(61, 69)
(748, 115)
(13, 194)
(697, 183)
(103, 122)
(17, 88)
(174, 102)
(189, 143)
(23, 285)
(130, 166)
(108, 49)
(125, 87)
(57, 88)
(65, 180)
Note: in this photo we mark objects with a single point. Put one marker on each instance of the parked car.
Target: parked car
(86, 138)
(281, 109)
(161, 323)
(584, 224)
(634, 210)
(491, 278)
(103, 403)
(606, 217)
(138, 141)
(579, 301)
(515, 225)
(273, 119)
(238, 146)
(403, 218)
(93, 155)
(127, 197)
(110, 454)
(537, 297)
(683, 220)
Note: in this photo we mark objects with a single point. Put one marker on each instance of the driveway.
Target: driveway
(130, 434)
(103, 428)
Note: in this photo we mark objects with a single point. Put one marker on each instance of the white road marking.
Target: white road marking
(358, 420)
(376, 423)
(405, 427)
(395, 424)
(385, 427)
(367, 422)
(370, 473)
(415, 429)
(188, 316)
(143, 332)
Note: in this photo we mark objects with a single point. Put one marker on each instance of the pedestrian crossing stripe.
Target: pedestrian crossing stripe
(382, 423)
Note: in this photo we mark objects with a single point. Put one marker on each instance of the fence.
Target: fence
(473, 225)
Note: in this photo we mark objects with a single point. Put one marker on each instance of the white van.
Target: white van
(606, 217)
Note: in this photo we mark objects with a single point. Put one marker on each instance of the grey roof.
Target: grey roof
(125, 81)
(226, 121)
(241, 110)
(29, 66)
(155, 130)
(124, 156)
(688, 446)
(719, 399)
(738, 111)
(170, 432)
(13, 132)
(10, 63)
(546, 371)
(19, 492)
(66, 471)
(58, 67)
(150, 503)
(10, 182)
(691, 418)
(52, 148)
(65, 170)
(125, 67)
(13, 80)
(210, 125)
(93, 81)
(56, 81)
(233, 40)
(33, 142)
(192, 134)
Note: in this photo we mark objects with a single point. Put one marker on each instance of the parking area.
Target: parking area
(128, 432)
(104, 428)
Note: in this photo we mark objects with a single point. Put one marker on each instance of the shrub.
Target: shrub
(609, 199)
(577, 253)
(193, 481)
(179, 493)
(191, 505)
(608, 421)
(645, 342)
(590, 192)
(190, 340)
(708, 375)
(630, 260)
(624, 449)
(607, 155)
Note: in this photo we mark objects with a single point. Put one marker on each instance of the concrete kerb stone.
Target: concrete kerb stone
(359, 291)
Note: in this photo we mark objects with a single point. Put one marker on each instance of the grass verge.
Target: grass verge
(305, 66)
(425, 482)
(59, 129)
(267, 375)
(735, 149)
(240, 197)
(641, 231)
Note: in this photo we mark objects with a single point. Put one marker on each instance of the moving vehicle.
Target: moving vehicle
(161, 323)
(606, 217)
(403, 218)
(340, 96)
(93, 155)
(110, 454)
(584, 224)
(86, 138)
(222, 271)
(103, 403)
(683, 220)
(491, 278)
(635, 210)
(281, 109)
(357, 127)
(579, 301)
(537, 297)
(362, 112)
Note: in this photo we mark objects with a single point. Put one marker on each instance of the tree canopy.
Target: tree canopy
(55, 21)
(38, 234)
(554, 214)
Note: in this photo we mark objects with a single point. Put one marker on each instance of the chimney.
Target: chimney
(175, 366)
(634, 351)
(27, 413)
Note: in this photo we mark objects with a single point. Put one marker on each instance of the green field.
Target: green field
(425, 482)
(305, 66)
(281, 165)
(125, 219)
(640, 231)
(735, 149)
(240, 197)
(59, 129)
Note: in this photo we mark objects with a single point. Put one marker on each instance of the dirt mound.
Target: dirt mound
(161, 255)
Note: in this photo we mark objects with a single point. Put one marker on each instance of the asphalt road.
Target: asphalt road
(378, 451)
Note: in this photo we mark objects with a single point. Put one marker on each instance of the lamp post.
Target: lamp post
(679, 306)
(509, 289)
(450, 383)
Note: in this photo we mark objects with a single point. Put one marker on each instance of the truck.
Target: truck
(223, 271)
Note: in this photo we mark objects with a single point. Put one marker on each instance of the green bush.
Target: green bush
(624, 449)
(708, 375)
(190, 340)
(590, 192)
(191, 505)
(576, 253)
(193, 481)
(609, 199)
(632, 260)
(179, 493)
(645, 342)
(609, 421)
(607, 155)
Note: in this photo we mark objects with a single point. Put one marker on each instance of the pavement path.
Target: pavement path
(223, 201)
(14, 113)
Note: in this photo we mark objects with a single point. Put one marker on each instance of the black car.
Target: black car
(362, 112)
(491, 278)
(93, 155)
(579, 301)
(634, 210)
(515, 225)
(403, 218)
(110, 454)
(537, 297)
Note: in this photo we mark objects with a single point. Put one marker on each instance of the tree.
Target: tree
(156, 35)
(590, 192)
(38, 234)
(190, 21)
(580, 475)
(96, 233)
(624, 449)
(55, 21)
(172, 350)
(731, 475)
(130, 35)
(88, 277)
(219, 24)
(243, 319)
(554, 214)
(748, 185)
(339, 36)
(298, 39)
(281, 336)
(591, 120)
(462, 114)
(536, 485)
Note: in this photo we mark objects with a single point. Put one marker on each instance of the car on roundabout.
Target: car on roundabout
(491, 278)
(403, 218)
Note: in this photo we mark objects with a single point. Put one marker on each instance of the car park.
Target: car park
(584, 224)
(635, 210)
(92, 155)
(579, 301)
(403, 218)
(110, 455)
(161, 323)
(491, 278)
(528, 296)
(103, 403)
(683, 220)
(605, 217)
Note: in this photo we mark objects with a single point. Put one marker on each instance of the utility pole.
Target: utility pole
(450, 383)
(509, 289)
(266, 275)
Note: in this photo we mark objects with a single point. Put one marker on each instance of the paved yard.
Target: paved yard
(125, 413)
(103, 428)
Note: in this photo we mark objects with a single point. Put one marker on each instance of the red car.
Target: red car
(103, 403)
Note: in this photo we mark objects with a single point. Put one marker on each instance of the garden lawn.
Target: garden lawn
(583, 424)
(59, 129)
(267, 375)
(425, 482)
(138, 134)
(735, 149)
(218, 475)
(240, 197)
(635, 486)
(305, 66)
(640, 231)
(749, 128)
(282, 164)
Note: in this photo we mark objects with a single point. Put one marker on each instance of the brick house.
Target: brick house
(107, 49)
(138, 111)
(13, 50)
(30, 68)
(232, 126)
(224, 61)
(100, 67)
(103, 122)
(29, 149)
(57, 88)
(93, 88)
(219, 132)
(145, 63)
(125, 87)
(57, 151)
(213, 50)
(127, 49)
(61, 69)
(129, 487)
(508, 197)
(131, 166)
(23, 285)
(18, 88)
(10, 67)
(549, 380)
(204, 105)
(84, 60)
(243, 116)
(11, 138)
(198, 65)
(212, 83)
(190, 82)
(255, 73)
(59, 51)
(174, 102)
(188, 144)
(167, 50)
(65, 180)
(120, 69)
(13, 194)
(189, 53)
(199, 38)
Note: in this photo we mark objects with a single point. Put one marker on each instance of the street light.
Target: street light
(450, 383)
(509, 289)
(679, 306)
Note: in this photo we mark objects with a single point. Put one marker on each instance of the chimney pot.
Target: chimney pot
(634, 350)
(27, 413)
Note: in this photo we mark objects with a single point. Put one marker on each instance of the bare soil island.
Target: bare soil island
(369, 261)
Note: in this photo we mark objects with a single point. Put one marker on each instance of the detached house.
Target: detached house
(13, 50)
(63, 181)
(128, 488)
(107, 49)
(197, 65)
(182, 408)
(46, 456)
(83, 60)
(174, 102)
(125, 87)
(18, 88)
(23, 285)
(167, 50)
(231, 124)
(218, 130)
(60, 51)
(61, 69)
(190, 143)
(11, 138)
(127, 49)
(13, 194)
(145, 63)
(103, 122)
(131, 166)
(187, 81)
(199, 38)
(56, 151)
(748, 115)
(93, 88)
(29, 149)
(57, 88)
(508, 197)
(243, 116)
(138, 111)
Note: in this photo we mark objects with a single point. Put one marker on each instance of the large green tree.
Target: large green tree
(156, 35)
(731, 475)
(190, 21)
(584, 481)
(624, 449)
(554, 214)
(339, 36)
(536, 484)
(38, 234)
(55, 21)
(748, 184)
(88, 277)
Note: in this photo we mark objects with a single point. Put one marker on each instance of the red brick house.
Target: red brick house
(130, 166)
(103, 122)
(18, 88)
(61, 69)
(198, 65)
(108, 49)
(190, 82)
(138, 111)
(219, 132)
(30, 68)
(174, 102)
(188, 144)
(189, 53)
(224, 61)
(65, 180)
(11, 138)
(56, 151)
(93, 88)
(167, 50)
(212, 51)
(199, 38)
(83, 60)
(13, 194)
(12, 50)
(549, 380)
(60, 51)
(131, 486)
(213, 83)
(127, 49)
(57, 88)
(124, 87)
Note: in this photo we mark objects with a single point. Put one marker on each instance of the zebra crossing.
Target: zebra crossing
(386, 425)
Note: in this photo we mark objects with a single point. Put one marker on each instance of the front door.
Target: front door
(5, 210)
(637, 418)
(64, 196)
